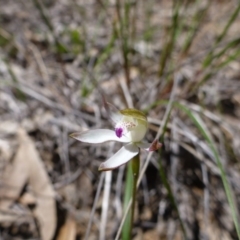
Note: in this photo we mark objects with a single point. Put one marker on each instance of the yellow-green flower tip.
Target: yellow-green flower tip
(132, 112)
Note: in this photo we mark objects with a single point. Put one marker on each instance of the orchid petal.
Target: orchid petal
(125, 154)
(98, 136)
(155, 145)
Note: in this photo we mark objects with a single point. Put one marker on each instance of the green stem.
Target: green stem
(130, 192)
(135, 169)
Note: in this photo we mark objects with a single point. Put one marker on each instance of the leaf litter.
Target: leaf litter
(46, 95)
(27, 168)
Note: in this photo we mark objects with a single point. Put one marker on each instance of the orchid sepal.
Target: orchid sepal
(98, 136)
(125, 154)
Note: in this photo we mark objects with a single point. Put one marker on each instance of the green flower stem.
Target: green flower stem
(135, 169)
(130, 192)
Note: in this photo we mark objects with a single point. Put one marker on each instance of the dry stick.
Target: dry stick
(206, 189)
(205, 197)
(45, 100)
(68, 179)
(105, 203)
(159, 133)
(126, 92)
(106, 197)
(39, 60)
(134, 166)
(124, 41)
(94, 206)
(174, 158)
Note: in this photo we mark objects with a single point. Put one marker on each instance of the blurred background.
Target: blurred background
(177, 61)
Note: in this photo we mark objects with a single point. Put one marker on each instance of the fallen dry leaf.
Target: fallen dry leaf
(27, 167)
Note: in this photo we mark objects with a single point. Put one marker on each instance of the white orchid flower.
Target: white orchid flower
(130, 127)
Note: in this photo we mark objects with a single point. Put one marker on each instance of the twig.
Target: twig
(105, 200)
(126, 92)
(86, 237)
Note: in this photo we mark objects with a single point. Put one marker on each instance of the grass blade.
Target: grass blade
(168, 48)
(208, 60)
(228, 190)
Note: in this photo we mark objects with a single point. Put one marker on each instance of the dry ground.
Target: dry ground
(53, 74)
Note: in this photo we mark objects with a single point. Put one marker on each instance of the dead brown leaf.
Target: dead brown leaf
(27, 167)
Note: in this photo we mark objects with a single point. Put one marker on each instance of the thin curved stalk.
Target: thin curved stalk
(130, 193)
